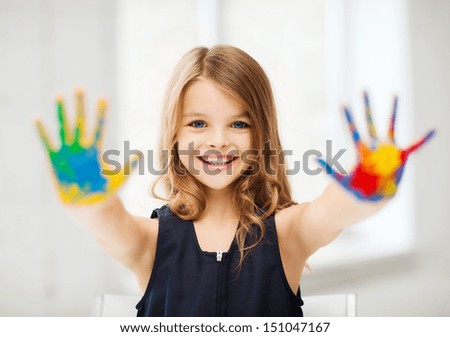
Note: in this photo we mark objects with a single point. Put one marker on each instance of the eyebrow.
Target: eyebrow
(194, 114)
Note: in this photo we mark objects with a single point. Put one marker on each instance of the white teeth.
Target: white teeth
(218, 162)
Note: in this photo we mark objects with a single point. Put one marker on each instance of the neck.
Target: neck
(219, 204)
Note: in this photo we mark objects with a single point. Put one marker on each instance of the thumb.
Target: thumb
(118, 179)
(417, 145)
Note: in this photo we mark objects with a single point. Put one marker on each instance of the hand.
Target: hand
(380, 166)
(77, 165)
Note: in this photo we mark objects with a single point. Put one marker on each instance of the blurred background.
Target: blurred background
(318, 54)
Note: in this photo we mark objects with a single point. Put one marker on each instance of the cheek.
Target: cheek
(245, 141)
(185, 141)
(188, 140)
(249, 142)
(187, 151)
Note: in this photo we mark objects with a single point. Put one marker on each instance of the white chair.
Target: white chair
(113, 305)
(334, 305)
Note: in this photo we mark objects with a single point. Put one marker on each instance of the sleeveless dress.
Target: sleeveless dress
(187, 281)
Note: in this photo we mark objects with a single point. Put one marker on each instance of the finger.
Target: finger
(80, 122)
(391, 132)
(329, 169)
(98, 135)
(370, 125)
(351, 124)
(418, 144)
(63, 127)
(44, 137)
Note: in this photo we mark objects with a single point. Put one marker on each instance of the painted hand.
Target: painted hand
(380, 165)
(77, 164)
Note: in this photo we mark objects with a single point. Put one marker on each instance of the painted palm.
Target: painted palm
(77, 164)
(380, 165)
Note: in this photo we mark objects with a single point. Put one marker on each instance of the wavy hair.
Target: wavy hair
(264, 187)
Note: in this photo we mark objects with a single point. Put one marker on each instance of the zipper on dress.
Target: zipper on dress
(218, 289)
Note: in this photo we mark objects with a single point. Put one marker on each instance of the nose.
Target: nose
(218, 139)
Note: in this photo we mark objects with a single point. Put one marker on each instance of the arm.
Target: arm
(121, 235)
(319, 222)
(354, 197)
(89, 192)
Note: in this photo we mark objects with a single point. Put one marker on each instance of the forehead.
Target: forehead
(203, 98)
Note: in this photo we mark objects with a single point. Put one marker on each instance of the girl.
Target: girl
(230, 241)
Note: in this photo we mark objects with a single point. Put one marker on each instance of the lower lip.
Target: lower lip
(216, 167)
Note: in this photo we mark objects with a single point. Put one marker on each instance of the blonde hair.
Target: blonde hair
(262, 190)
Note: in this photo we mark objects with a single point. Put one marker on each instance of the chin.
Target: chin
(217, 186)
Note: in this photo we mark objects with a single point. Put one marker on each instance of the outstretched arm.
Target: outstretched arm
(88, 193)
(358, 195)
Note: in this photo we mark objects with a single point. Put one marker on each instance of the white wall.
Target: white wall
(48, 264)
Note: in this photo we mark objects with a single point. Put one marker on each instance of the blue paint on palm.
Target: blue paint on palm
(76, 165)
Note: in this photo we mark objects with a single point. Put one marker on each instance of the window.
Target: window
(317, 54)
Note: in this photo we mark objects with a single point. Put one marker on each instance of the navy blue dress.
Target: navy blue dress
(187, 281)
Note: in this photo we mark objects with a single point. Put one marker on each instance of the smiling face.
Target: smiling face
(214, 133)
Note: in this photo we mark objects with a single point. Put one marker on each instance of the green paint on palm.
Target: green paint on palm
(76, 162)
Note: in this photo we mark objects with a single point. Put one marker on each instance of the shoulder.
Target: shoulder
(288, 218)
(150, 226)
(147, 226)
(290, 223)
(304, 226)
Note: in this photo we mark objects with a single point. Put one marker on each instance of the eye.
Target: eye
(241, 125)
(196, 124)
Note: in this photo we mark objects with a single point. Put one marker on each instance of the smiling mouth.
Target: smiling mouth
(217, 164)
